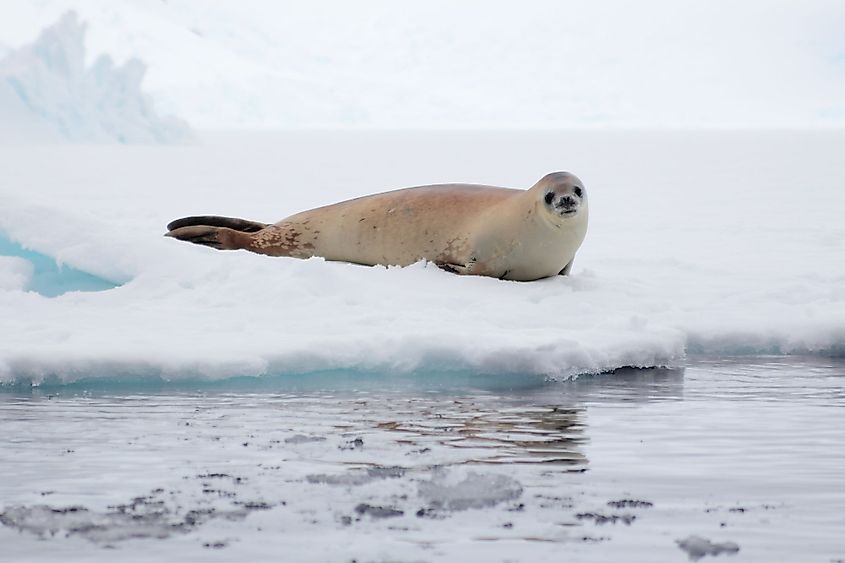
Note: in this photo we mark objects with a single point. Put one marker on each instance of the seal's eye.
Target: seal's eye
(550, 197)
(578, 191)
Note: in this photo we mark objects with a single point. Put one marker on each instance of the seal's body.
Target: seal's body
(469, 229)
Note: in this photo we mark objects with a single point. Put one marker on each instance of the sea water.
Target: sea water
(741, 457)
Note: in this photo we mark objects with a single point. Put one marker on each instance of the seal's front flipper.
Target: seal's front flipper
(453, 268)
(567, 268)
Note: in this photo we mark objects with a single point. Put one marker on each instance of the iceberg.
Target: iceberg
(47, 94)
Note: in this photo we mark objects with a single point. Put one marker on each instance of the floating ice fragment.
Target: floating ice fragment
(357, 477)
(303, 439)
(378, 511)
(475, 490)
(46, 521)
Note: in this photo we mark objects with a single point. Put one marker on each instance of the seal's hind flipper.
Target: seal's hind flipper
(233, 223)
(197, 234)
(221, 238)
(222, 233)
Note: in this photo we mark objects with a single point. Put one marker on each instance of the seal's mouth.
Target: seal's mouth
(565, 212)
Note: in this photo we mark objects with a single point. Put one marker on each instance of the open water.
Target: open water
(738, 459)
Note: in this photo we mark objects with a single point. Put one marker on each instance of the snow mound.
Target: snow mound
(48, 95)
(15, 272)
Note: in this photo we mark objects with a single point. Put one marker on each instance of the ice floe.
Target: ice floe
(726, 255)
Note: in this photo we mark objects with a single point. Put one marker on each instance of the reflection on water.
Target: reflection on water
(509, 435)
(628, 385)
(541, 423)
(488, 419)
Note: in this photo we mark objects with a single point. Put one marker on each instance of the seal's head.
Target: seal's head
(563, 195)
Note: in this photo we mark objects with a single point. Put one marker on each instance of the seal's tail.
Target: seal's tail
(224, 233)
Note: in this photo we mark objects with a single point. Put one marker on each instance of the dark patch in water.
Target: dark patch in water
(697, 547)
(352, 444)
(255, 505)
(430, 513)
(378, 511)
(600, 519)
(215, 545)
(741, 509)
(629, 503)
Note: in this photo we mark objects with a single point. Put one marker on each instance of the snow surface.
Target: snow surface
(476, 63)
(722, 243)
(48, 94)
(15, 272)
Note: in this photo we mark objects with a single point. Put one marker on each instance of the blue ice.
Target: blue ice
(50, 278)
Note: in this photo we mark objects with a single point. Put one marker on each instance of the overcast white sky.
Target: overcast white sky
(472, 64)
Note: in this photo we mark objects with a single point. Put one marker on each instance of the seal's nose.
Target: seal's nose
(566, 201)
